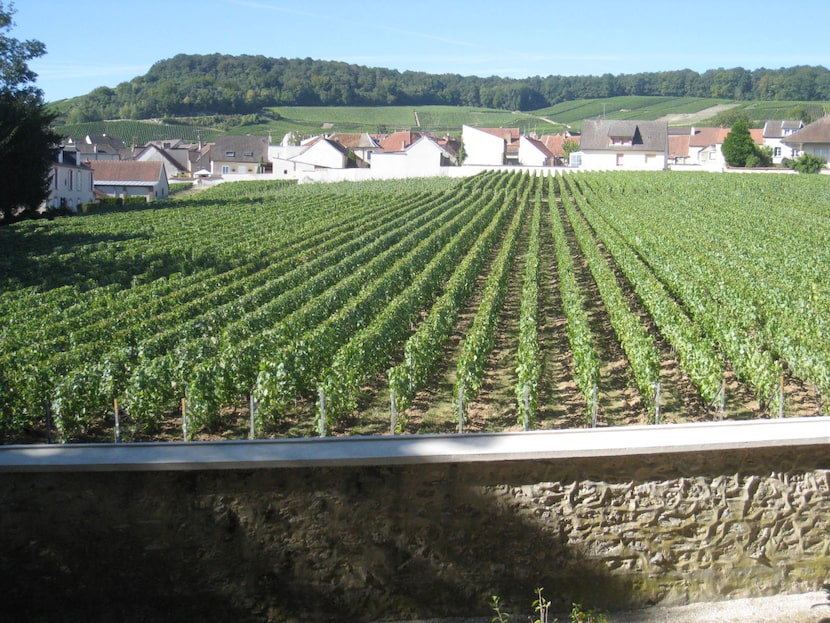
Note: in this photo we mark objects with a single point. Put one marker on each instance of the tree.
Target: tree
(27, 142)
(569, 146)
(738, 146)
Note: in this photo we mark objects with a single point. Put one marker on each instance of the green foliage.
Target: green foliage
(807, 163)
(26, 141)
(138, 132)
(541, 607)
(276, 288)
(500, 615)
(242, 85)
(16, 76)
(580, 615)
(528, 364)
(739, 150)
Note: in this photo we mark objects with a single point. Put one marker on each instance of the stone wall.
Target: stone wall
(413, 541)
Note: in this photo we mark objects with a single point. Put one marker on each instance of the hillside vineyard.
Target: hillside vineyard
(501, 301)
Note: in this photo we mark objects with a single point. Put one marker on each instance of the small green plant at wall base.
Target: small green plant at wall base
(541, 607)
(499, 615)
(578, 615)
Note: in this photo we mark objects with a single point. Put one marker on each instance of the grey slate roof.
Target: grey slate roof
(599, 134)
(816, 132)
(774, 128)
(247, 149)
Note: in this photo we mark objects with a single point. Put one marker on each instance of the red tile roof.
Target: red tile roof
(555, 142)
(399, 141)
(126, 171)
(508, 134)
(679, 146)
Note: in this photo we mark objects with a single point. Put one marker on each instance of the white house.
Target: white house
(175, 160)
(775, 131)
(622, 144)
(423, 158)
(534, 153)
(483, 148)
(128, 178)
(317, 153)
(70, 184)
(363, 146)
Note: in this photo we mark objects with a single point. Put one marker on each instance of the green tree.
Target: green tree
(569, 146)
(738, 146)
(27, 142)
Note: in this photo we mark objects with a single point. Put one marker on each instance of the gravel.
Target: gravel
(811, 607)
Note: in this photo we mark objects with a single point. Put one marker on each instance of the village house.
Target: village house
(774, 132)
(424, 157)
(239, 155)
(360, 147)
(812, 139)
(534, 153)
(175, 160)
(70, 182)
(97, 147)
(490, 146)
(397, 141)
(702, 147)
(289, 161)
(622, 144)
(555, 143)
(127, 178)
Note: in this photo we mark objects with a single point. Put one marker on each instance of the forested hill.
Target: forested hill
(221, 84)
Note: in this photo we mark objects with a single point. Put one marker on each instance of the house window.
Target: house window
(248, 154)
(619, 160)
(230, 154)
(575, 159)
(225, 169)
(776, 152)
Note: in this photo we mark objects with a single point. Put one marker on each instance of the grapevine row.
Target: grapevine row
(585, 358)
(697, 354)
(637, 343)
(480, 338)
(528, 364)
(423, 349)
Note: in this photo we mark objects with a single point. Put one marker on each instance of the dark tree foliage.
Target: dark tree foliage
(27, 142)
(739, 150)
(188, 85)
(27, 150)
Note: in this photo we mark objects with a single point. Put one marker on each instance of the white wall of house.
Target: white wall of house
(482, 148)
(289, 169)
(322, 154)
(780, 150)
(623, 160)
(529, 154)
(69, 187)
(390, 165)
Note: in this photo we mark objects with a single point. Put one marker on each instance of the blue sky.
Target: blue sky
(92, 43)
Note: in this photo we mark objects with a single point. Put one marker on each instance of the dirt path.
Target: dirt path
(695, 117)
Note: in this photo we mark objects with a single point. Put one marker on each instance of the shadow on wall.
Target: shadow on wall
(366, 543)
(317, 544)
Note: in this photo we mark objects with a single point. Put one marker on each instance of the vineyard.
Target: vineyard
(501, 301)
